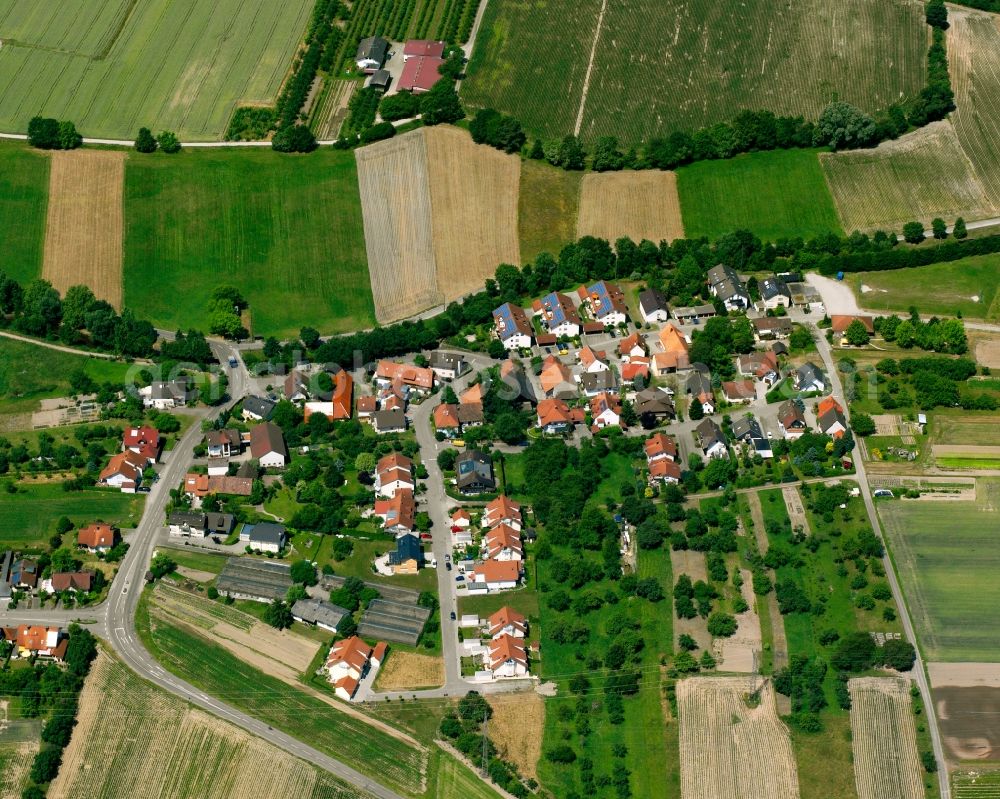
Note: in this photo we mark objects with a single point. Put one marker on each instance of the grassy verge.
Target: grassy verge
(775, 194)
(215, 671)
(287, 231)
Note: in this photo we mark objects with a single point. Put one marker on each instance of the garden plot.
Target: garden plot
(884, 740)
(640, 205)
(693, 565)
(741, 652)
(729, 749)
(83, 235)
(408, 670)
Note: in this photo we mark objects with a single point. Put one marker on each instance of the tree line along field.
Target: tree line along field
(286, 230)
(947, 561)
(950, 168)
(24, 187)
(112, 67)
(134, 740)
(776, 194)
(662, 66)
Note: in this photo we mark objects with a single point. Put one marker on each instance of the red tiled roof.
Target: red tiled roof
(626, 345)
(145, 440)
(495, 571)
(660, 444)
(379, 651)
(665, 468)
(634, 369)
(394, 461)
(839, 323)
(353, 651)
(505, 648)
(398, 511)
(446, 416)
(80, 581)
(503, 507)
(554, 372)
(404, 373)
(553, 411)
(96, 535)
(502, 537)
(128, 464)
(423, 47)
(506, 617)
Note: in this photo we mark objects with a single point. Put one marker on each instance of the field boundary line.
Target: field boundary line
(57, 347)
(590, 68)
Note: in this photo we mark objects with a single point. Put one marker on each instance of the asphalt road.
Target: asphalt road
(919, 673)
(114, 619)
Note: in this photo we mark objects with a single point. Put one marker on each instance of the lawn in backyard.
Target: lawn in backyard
(112, 67)
(947, 558)
(968, 285)
(24, 199)
(28, 518)
(286, 230)
(775, 194)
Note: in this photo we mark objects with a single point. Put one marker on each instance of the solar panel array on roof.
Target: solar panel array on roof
(554, 314)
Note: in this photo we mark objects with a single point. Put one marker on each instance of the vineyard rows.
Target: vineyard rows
(134, 742)
(661, 67)
(883, 739)
(729, 748)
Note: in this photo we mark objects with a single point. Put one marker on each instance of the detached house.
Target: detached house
(296, 387)
(660, 447)
(73, 582)
(339, 406)
(674, 357)
(97, 537)
(724, 283)
(653, 306)
(497, 575)
(739, 391)
(404, 377)
(391, 420)
(37, 640)
(397, 513)
(164, 395)
(258, 409)
(605, 411)
(448, 365)
(594, 383)
(144, 441)
(508, 657)
(774, 293)
(713, 440)
(451, 419)
(223, 443)
(474, 472)
(124, 472)
(346, 664)
(633, 346)
(605, 302)
(699, 386)
(830, 418)
(771, 327)
(747, 431)
(512, 326)
(264, 537)
(506, 621)
(760, 365)
(791, 420)
(408, 556)
(394, 473)
(556, 379)
(267, 446)
(654, 403)
(558, 314)
(503, 542)
(554, 416)
(809, 377)
(593, 361)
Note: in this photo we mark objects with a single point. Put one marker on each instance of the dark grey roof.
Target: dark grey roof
(407, 548)
(828, 419)
(698, 381)
(189, 518)
(474, 469)
(219, 522)
(172, 389)
(772, 323)
(394, 419)
(374, 48)
(709, 432)
(265, 579)
(652, 400)
(381, 79)
(595, 382)
(5, 569)
(771, 287)
(746, 427)
(809, 373)
(316, 611)
(779, 348)
(448, 360)
(259, 406)
(267, 533)
(652, 300)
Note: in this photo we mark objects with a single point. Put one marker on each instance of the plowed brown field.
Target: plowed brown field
(83, 234)
(640, 205)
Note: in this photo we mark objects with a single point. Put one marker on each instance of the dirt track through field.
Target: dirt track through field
(729, 749)
(474, 199)
(83, 233)
(640, 205)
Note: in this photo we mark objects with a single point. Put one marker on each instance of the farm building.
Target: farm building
(422, 48)
(420, 73)
(371, 54)
(257, 580)
(394, 621)
(319, 613)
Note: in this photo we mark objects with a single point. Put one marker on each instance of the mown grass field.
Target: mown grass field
(28, 518)
(660, 67)
(24, 194)
(29, 373)
(547, 208)
(947, 559)
(286, 230)
(113, 67)
(939, 289)
(215, 671)
(775, 194)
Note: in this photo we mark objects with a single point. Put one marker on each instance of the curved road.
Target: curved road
(114, 619)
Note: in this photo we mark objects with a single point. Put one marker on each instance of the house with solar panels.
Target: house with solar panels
(512, 326)
(606, 303)
(558, 314)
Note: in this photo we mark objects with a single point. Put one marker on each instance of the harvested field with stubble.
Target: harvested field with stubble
(406, 670)
(729, 749)
(516, 728)
(884, 740)
(83, 234)
(440, 214)
(15, 763)
(396, 206)
(474, 191)
(640, 205)
(133, 740)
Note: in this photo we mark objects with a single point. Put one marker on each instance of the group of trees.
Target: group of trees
(939, 335)
(929, 383)
(497, 130)
(46, 133)
(167, 141)
(225, 309)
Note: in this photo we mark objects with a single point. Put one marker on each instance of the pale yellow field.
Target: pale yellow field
(640, 205)
(396, 204)
(132, 740)
(405, 670)
(883, 739)
(474, 192)
(83, 233)
(729, 749)
(516, 728)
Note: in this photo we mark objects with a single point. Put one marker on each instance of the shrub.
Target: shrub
(145, 142)
(169, 142)
(377, 132)
(721, 625)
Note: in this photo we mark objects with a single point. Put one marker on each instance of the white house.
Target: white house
(448, 365)
(124, 471)
(497, 575)
(724, 283)
(606, 303)
(558, 314)
(506, 621)
(774, 293)
(346, 664)
(264, 537)
(393, 473)
(319, 613)
(267, 446)
(809, 377)
(508, 657)
(653, 306)
(502, 510)
(187, 523)
(512, 326)
(164, 395)
(605, 410)
(503, 543)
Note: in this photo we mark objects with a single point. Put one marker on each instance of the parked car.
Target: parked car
(459, 578)
(453, 617)
(447, 565)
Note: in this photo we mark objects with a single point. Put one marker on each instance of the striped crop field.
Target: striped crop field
(948, 169)
(657, 66)
(24, 193)
(116, 65)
